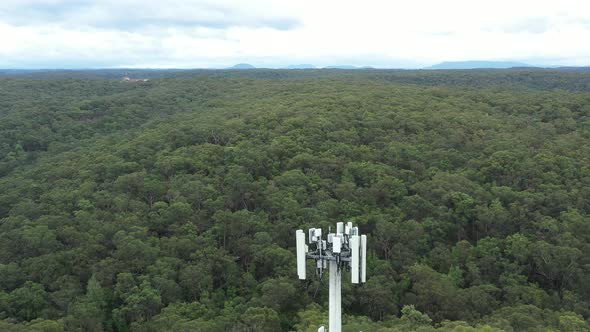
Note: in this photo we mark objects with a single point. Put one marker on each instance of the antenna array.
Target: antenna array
(344, 250)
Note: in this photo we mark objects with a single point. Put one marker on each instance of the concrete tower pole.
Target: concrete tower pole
(338, 303)
(335, 298)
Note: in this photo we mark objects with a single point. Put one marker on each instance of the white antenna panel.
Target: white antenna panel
(311, 235)
(336, 244)
(354, 258)
(300, 239)
(339, 228)
(330, 237)
(363, 258)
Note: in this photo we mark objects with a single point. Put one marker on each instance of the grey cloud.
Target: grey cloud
(530, 25)
(585, 22)
(131, 15)
(443, 33)
(535, 25)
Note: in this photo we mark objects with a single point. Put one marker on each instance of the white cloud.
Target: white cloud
(175, 33)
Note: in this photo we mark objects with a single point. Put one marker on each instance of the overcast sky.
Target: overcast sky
(220, 33)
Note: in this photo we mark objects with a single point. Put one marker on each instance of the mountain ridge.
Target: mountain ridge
(242, 66)
(301, 66)
(477, 64)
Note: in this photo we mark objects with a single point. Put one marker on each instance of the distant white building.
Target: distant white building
(128, 79)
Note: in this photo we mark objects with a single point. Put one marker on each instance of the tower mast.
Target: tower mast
(344, 249)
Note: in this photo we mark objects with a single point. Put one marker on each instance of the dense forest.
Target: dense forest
(171, 205)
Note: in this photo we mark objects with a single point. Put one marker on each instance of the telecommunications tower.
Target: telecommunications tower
(345, 249)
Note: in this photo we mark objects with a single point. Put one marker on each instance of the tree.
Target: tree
(29, 301)
(414, 318)
(435, 293)
(378, 297)
(261, 319)
(89, 313)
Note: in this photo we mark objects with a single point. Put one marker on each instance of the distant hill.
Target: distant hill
(574, 68)
(242, 66)
(341, 67)
(477, 65)
(301, 66)
(21, 71)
